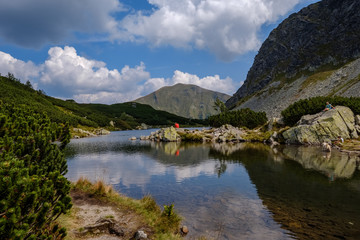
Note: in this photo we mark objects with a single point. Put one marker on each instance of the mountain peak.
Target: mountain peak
(185, 100)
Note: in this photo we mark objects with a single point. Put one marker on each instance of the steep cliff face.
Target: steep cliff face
(321, 36)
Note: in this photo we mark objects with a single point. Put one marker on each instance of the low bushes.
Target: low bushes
(240, 118)
(295, 111)
(33, 189)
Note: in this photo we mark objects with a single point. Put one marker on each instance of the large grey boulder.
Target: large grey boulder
(323, 127)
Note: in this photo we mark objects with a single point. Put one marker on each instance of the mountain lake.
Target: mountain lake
(230, 191)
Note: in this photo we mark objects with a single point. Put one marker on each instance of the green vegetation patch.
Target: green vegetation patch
(123, 115)
(241, 118)
(33, 189)
(317, 77)
(293, 113)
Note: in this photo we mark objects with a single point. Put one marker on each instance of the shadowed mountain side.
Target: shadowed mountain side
(185, 100)
(305, 56)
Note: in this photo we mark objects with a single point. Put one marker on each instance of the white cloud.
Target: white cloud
(21, 70)
(215, 83)
(68, 74)
(65, 74)
(227, 28)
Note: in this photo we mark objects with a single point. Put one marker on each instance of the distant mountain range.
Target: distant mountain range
(184, 100)
(314, 52)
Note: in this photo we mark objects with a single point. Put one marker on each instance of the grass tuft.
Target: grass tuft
(165, 226)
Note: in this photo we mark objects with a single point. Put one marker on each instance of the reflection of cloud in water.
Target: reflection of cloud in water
(134, 169)
(115, 168)
(206, 168)
(248, 216)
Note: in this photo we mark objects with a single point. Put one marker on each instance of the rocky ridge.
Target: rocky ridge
(321, 36)
(274, 98)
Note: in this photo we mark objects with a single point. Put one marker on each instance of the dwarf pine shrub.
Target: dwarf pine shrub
(241, 118)
(33, 189)
(295, 111)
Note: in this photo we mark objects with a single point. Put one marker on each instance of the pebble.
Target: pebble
(184, 229)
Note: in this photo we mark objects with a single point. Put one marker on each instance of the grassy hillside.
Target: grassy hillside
(184, 100)
(124, 115)
(141, 112)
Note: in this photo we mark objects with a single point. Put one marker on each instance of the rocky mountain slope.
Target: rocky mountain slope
(185, 100)
(305, 56)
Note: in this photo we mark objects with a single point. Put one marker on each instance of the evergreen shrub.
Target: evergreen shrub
(33, 189)
(241, 118)
(295, 111)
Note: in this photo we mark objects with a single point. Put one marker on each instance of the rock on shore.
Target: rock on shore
(323, 127)
(225, 133)
(81, 133)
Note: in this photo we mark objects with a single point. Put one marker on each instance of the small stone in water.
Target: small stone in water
(184, 229)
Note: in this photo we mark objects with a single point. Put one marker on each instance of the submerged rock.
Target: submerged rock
(323, 127)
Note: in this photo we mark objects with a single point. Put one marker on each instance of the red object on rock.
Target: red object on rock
(177, 125)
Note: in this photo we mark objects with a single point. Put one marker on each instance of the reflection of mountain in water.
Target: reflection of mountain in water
(179, 154)
(304, 202)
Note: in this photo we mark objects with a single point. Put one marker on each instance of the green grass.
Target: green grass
(317, 77)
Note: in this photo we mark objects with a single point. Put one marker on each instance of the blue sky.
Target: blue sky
(118, 50)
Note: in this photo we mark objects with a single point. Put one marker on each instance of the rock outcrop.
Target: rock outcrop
(323, 127)
(225, 133)
(81, 133)
(323, 35)
(165, 135)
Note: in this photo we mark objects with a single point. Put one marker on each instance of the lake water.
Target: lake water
(238, 191)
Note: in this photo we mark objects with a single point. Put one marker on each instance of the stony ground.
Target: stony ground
(87, 209)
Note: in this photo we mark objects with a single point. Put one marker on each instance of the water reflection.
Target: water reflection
(305, 202)
(231, 191)
(333, 164)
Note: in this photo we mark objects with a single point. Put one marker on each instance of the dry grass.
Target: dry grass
(165, 227)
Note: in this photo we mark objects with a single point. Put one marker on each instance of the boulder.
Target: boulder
(165, 135)
(169, 135)
(140, 235)
(323, 127)
(102, 131)
(357, 119)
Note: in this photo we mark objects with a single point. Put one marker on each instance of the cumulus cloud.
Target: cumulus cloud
(227, 28)
(65, 75)
(21, 70)
(37, 22)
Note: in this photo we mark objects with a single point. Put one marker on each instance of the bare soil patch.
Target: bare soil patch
(89, 208)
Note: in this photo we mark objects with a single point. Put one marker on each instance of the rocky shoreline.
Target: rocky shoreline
(77, 133)
(317, 129)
